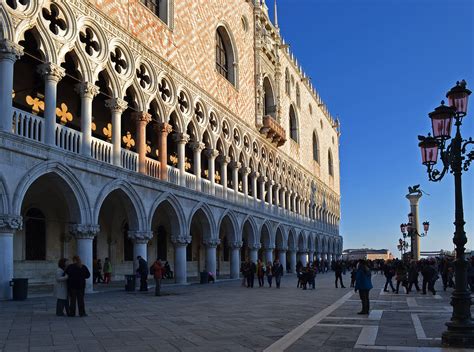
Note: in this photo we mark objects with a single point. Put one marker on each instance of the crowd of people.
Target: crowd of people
(270, 270)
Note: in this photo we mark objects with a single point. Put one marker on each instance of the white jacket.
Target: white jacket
(60, 285)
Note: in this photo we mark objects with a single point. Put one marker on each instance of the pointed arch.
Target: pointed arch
(250, 224)
(315, 146)
(229, 218)
(208, 225)
(330, 163)
(269, 105)
(172, 205)
(226, 53)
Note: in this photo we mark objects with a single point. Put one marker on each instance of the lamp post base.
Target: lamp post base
(458, 335)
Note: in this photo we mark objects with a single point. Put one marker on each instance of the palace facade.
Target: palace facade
(172, 129)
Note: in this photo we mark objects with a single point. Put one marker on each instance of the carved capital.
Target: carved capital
(140, 237)
(51, 72)
(263, 179)
(198, 147)
(164, 128)
(10, 223)
(235, 165)
(211, 153)
(254, 246)
(116, 105)
(223, 159)
(235, 244)
(141, 117)
(212, 242)
(86, 90)
(255, 175)
(270, 247)
(245, 170)
(181, 138)
(283, 248)
(181, 240)
(10, 50)
(84, 231)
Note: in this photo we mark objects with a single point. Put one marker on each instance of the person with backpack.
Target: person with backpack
(363, 285)
(158, 271)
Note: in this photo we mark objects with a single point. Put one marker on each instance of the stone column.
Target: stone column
(293, 260)
(253, 252)
(182, 139)
(52, 74)
(254, 176)
(9, 53)
(283, 198)
(198, 147)
(270, 192)
(235, 165)
(414, 198)
(293, 202)
(87, 91)
(8, 226)
(288, 198)
(84, 234)
(117, 106)
(304, 257)
(262, 180)
(277, 195)
(164, 129)
(140, 241)
(269, 254)
(224, 160)
(212, 155)
(211, 245)
(282, 257)
(180, 271)
(235, 259)
(245, 173)
(311, 256)
(142, 118)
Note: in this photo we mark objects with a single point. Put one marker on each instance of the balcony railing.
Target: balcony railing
(173, 174)
(129, 160)
(152, 168)
(68, 139)
(190, 180)
(28, 125)
(101, 150)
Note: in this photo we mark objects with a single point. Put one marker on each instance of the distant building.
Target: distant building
(367, 253)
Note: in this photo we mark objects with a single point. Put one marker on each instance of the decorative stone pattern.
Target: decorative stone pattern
(10, 223)
(84, 231)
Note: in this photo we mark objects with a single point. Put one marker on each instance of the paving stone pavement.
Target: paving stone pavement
(228, 317)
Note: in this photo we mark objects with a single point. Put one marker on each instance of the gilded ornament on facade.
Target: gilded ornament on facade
(93, 125)
(148, 149)
(64, 115)
(36, 104)
(107, 131)
(128, 140)
(174, 159)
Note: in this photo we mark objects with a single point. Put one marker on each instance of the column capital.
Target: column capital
(235, 164)
(164, 128)
(254, 174)
(414, 198)
(245, 170)
(140, 237)
(10, 50)
(283, 248)
(86, 89)
(116, 104)
(198, 146)
(223, 159)
(181, 138)
(254, 246)
(270, 247)
(181, 240)
(84, 231)
(211, 153)
(10, 223)
(263, 178)
(235, 244)
(141, 116)
(271, 183)
(51, 71)
(211, 242)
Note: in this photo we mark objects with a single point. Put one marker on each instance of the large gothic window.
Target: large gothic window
(35, 235)
(330, 163)
(298, 96)
(268, 99)
(315, 148)
(159, 7)
(293, 125)
(226, 60)
(287, 81)
(221, 56)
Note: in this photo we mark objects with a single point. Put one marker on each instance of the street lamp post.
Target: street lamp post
(455, 158)
(408, 230)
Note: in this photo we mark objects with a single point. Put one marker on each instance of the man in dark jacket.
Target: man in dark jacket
(251, 274)
(429, 277)
(76, 284)
(143, 272)
(388, 272)
(338, 272)
(277, 272)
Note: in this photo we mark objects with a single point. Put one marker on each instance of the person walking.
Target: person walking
(107, 271)
(260, 273)
(338, 272)
(158, 271)
(76, 284)
(143, 273)
(401, 276)
(430, 275)
(388, 272)
(60, 288)
(413, 277)
(244, 269)
(363, 285)
(97, 272)
(277, 272)
(269, 273)
(251, 274)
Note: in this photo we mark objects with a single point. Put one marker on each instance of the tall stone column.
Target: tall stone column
(270, 192)
(414, 199)
(117, 106)
(211, 245)
(235, 259)
(142, 118)
(182, 139)
(262, 180)
(180, 271)
(253, 251)
(87, 91)
(51, 74)
(245, 173)
(311, 256)
(8, 226)
(277, 195)
(293, 260)
(269, 254)
(212, 155)
(164, 129)
(9, 53)
(283, 198)
(282, 257)
(254, 177)
(235, 165)
(293, 203)
(288, 199)
(84, 234)
(224, 160)
(198, 147)
(304, 257)
(140, 241)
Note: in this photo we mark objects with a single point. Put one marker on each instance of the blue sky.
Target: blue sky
(382, 66)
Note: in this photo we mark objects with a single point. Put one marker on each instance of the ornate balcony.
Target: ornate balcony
(273, 131)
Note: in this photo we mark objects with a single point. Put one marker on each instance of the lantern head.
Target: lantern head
(458, 97)
(429, 150)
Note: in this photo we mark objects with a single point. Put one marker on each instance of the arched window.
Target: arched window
(298, 97)
(287, 81)
(330, 163)
(293, 125)
(315, 148)
(269, 99)
(127, 244)
(35, 235)
(225, 60)
(160, 8)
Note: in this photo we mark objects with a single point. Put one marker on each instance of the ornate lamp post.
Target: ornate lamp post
(455, 158)
(408, 230)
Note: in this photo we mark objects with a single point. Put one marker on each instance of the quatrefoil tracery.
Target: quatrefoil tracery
(88, 38)
(165, 90)
(199, 113)
(183, 102)
(225, 129)
(213, 122)
(56, 23)
(14, 3)
(143, 77)
(117, 58)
